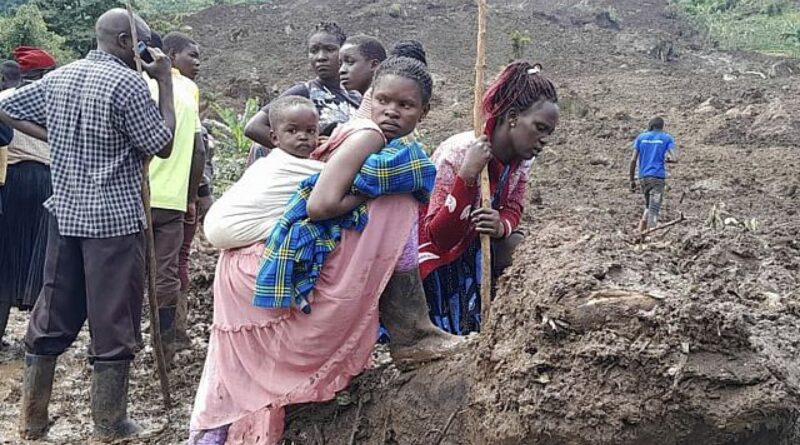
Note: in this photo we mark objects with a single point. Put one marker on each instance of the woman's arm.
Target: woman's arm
(452, 199)
(257, 129)
(511, 214)
(448, 220)
(331, 196)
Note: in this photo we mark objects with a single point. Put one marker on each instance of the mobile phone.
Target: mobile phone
(144, 54)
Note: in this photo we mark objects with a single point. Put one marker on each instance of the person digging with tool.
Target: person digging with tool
(651, 150)
(101, 123)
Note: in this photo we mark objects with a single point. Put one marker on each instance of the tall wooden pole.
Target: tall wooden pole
(152, 297)
(477, 124)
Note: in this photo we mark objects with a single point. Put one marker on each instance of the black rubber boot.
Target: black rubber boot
(110, 401)
(166, 318)
(404, 312)
(36, 389)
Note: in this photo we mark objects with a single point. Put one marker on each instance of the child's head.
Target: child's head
(324, 43)
(359, 58)
(410, 48)
(294, 125)
(401, 93)
(184, 53)
(522, 106)
(656, 124)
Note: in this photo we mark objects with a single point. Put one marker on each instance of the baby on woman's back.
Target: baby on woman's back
(247, 212)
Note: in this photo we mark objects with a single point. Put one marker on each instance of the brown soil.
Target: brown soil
(690, 338)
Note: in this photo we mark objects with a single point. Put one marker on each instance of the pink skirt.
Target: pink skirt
(261, 360)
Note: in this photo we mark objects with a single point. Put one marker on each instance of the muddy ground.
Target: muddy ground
(689, 338)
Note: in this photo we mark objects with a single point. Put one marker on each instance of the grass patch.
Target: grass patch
(770, 26)
(168, 7)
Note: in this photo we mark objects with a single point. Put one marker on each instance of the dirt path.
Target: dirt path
(702, 347)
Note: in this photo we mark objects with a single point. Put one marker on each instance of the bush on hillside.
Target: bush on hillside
(753, 25)
(27, 27)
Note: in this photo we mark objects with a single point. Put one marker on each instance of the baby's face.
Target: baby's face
(297, 133)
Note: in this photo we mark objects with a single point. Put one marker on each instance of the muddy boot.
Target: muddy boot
(110, 401)
(404, 312)
(182, 340)
(36, 389)
(166, 318)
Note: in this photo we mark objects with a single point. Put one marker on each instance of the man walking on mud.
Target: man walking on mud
(100, 121)
(650, 152)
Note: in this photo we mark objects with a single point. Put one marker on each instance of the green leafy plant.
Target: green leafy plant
(235, 123)
(519, 42)
(232, 145)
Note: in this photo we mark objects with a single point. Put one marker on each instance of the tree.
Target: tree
(75, 20)
(27, 27)
(8, 6)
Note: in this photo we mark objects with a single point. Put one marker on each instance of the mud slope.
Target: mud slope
(691, 338)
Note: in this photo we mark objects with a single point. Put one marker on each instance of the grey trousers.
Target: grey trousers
(653, 189)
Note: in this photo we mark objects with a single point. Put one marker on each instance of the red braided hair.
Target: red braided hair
(518, 87)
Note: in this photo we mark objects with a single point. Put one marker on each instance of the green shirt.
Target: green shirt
(169, 178)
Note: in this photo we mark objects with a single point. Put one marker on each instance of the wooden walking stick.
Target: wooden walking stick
(152, 297)
(486, 199)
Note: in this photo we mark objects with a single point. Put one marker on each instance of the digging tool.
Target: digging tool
(477, 125)
(152, 297)
(675, 221)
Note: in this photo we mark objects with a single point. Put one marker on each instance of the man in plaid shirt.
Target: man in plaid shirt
(101, 123)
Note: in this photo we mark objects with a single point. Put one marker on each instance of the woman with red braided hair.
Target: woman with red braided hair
(521, 110)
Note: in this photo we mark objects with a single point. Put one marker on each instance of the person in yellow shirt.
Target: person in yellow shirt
(174, 181)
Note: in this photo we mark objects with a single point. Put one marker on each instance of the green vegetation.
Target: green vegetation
(519, 42)
(66, 27)
(74, 20)
(27, 27)
(770, 26)
(232, 145)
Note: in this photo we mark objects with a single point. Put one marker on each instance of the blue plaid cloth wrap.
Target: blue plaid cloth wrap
(297, 247)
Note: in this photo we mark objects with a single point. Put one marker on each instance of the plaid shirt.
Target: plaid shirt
(101, 123)
(297, 247)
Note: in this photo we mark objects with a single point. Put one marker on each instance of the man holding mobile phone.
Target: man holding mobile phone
(101, 123)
